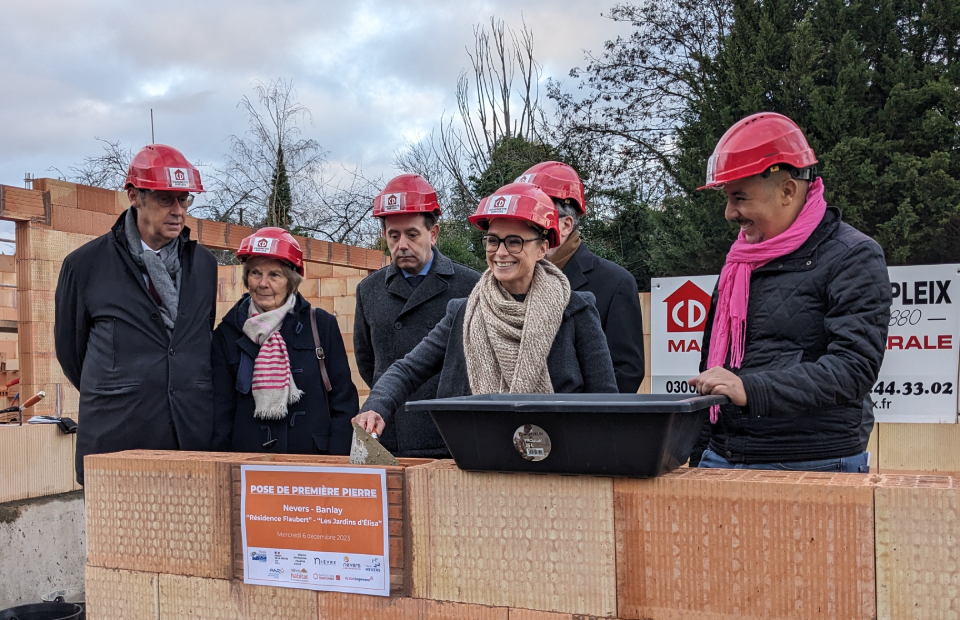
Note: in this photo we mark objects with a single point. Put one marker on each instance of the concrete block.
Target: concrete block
(919, 447)
(162, 512)
(352, 284)
(313, 269)
(183, 598)
(739, 544)
(62, 193)
(517, 540)
(43, 547)
(35, 460)
(122, 595)
(333, 287)
(345, 305)
(96, 199)
(918, 547)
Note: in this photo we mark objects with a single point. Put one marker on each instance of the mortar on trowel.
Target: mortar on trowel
(366, 449)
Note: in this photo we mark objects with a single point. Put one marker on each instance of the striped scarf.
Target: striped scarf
(273, 386)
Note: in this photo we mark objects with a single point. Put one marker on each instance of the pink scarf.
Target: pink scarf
(730, 319)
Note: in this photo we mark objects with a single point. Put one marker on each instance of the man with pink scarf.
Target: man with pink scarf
(798, 323)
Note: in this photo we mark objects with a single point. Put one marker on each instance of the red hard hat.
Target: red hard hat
(162, 167)
(520, 201)
(756, 143)
(407, 193)
(558, 181)
(272, 243)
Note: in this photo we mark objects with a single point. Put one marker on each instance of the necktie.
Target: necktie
(415, 280)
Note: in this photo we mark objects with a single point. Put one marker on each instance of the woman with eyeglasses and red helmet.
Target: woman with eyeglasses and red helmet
(281, 378)
(521, 331)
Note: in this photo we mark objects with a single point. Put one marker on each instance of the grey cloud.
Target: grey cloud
(374, 73)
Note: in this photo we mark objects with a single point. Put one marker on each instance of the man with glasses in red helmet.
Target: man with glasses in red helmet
(398, 305)
(134, 319)
(797, 326)
(615, 290)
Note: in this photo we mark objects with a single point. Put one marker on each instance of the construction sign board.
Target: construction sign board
(918, 381)
(316, 528)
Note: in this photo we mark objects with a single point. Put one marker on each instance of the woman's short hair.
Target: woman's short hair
(294, 279)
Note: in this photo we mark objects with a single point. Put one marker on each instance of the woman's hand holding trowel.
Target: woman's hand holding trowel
(370, 421)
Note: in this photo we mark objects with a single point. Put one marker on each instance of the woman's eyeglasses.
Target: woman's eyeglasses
(514, 243)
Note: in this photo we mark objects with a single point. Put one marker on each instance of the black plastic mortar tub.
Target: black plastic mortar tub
(43, 611)
(637, 435)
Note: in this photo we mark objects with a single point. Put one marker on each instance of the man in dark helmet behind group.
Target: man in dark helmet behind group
(618, 301)
(797, 327)
(398, 305)
(134, 319)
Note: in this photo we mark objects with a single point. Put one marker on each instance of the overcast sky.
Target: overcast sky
(374, 73)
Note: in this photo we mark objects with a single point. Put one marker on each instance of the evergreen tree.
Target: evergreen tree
(875, 87)
(280, 200)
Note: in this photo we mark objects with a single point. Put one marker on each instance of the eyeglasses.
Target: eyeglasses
(166, 199)
(514, 243)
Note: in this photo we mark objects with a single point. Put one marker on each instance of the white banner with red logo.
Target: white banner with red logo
(918, 381)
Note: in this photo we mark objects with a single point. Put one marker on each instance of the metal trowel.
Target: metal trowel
(366, 450)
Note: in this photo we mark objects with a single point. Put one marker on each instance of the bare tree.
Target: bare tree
(341, 206)
(249, 177)
(640, 87)
(108, 170)
(491, 106)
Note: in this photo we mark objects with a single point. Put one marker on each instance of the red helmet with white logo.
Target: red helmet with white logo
(162, 167)
(755, 144)
(558, 181)
(275, 243)
(407, 193)
(520, 201)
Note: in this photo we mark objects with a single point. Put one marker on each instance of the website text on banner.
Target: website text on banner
(919, 377)
(316, 528)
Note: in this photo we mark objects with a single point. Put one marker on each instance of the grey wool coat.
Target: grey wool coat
(391, 319)
(579, 360)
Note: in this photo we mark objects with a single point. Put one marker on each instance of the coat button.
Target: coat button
(154, 316)
(173, 392)
(172, 352)
(809, 262)
(398, 325)
(780, 266)
(729, 455)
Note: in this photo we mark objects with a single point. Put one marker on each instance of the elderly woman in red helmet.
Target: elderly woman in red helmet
(521, 331)
(280, 373)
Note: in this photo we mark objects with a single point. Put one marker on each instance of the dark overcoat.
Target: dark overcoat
(817, 323)
(618, 303)
(391, 319)
(578, 362)
(315, 424)
(139, 388)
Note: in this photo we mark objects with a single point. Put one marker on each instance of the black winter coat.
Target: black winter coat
(579, 361)
(816, 333)
(139, 389)
(314, 425)
(618, 303)
(391, 319)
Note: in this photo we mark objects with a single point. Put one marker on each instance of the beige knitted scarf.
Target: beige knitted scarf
(506, 342)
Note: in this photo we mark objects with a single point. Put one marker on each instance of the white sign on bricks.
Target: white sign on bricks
(918, 381)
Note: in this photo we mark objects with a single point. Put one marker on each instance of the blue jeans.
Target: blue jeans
(858, 464)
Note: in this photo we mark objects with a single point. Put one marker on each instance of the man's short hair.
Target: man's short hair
(566, 208)
(429, 221)
(294, 279)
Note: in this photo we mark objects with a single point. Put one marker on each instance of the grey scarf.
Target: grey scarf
(165, 273)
